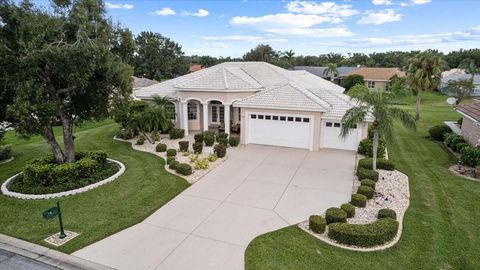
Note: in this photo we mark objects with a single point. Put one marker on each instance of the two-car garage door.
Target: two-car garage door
(280, 130)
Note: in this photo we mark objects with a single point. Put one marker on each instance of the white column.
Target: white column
(226, 117)
(185, 117)
(205, 116)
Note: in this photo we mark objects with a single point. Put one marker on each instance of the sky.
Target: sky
(232, 27)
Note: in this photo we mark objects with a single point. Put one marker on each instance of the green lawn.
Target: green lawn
(441, 228)
(95, 214)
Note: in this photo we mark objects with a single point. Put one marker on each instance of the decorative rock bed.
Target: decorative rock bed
(17, 195)
(197, 174)
(391, 192)
(464, 171)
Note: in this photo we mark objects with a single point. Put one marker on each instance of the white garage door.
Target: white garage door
(332, 139)
(280, 130)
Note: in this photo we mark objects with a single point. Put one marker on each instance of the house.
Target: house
(265, 103)
(319, 71)
(459, 74)
(470, 122)
(376, 78)
(139, 83)
(195, 67)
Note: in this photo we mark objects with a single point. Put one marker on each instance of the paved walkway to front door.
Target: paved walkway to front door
(257, 190)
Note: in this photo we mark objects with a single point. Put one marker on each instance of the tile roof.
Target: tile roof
(460, 76)
(319, 70)
(472, 110)
(195, 67)
(376, 74)
(142, 82)
(233, 78)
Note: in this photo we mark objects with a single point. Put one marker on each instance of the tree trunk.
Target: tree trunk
(67, 125)
(419, 98)
(55, 147)
(375, 145)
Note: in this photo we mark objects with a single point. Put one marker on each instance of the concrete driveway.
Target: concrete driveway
(257, 190)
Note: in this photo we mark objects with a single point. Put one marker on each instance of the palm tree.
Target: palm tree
(469, 66)
(331, 71)
(289, 56)
(376, 105)
(424, 74)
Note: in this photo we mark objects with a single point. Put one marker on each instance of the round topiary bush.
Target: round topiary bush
(173, 164)
(140, 140)
(198, 138)
(349, 209)
(438, 132)
(209, 138)
(364, 235)
(223, 141)
(183, 145)
(382, 164)
(334, 214)
(234, 141)
(197, 147)
(161, 147)
(387, 213)
(176, 133)
(317, 224)
(368, 183)
(222, 135)
(183, 169)
(171, 152)
(220, 150)
(366, 190)
(170, 159)
(470, 156)
(367, 174)
(359, 200)
(366, 148)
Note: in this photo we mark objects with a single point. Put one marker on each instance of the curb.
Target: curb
(47, 256)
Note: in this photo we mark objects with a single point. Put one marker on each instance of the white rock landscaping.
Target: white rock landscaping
(17, 195)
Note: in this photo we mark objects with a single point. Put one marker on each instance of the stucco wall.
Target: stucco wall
(470, 131)
(380, 85)
(204, 96)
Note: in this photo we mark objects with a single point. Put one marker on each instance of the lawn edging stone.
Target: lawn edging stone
(7, 160)
(23, 196)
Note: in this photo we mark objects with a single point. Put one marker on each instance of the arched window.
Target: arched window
(192, 111)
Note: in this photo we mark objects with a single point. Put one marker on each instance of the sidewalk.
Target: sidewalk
(19, 254)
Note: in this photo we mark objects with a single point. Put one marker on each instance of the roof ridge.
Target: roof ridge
(310, 95)
(243, 80)
(253, 78)
(225, 81)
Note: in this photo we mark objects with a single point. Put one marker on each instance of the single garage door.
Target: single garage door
(332, 139)
(279, 130)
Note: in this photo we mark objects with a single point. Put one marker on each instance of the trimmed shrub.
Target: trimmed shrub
(359, 200)
(367, 174)
(170, 159)
(198, 138)
(387, 213)
(317, 224)
(209, 138)
(5, 152)
(202, 164)
(161, 147)
(234, 141)
(197, 147)
(124, 134)
(470, 156)
(140, 140)
(364, 235)
(461, 146)
(213, 157)
(172, 165)
(171, 152)
(439, 132)
(334, 214)
(183, 145)
(367, 191)
(457, 142)
(368, 183)
(383, 164)
(366, 148)
(449, 138)
(223, 141)
(183, 169)
(155, 136)
(220, 150)
(349, 209)
(176, 133)
(222, 135)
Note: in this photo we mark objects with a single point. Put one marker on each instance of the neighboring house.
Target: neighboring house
(267, 104)
(458, 74)
(195, 67)
(376, 78)
(139, 83)
(319, 71)
(470, 122)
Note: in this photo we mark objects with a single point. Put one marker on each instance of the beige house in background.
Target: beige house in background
(377, 78)
(262, 103)
(471, 122)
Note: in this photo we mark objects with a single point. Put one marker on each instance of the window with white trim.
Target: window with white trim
(170, 111)
(192, 111)
(371, 84)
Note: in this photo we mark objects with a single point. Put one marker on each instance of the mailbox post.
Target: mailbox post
(52, 213)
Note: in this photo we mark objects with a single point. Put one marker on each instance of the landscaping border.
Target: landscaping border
(452, 169)
(23, 196)
(6, 161)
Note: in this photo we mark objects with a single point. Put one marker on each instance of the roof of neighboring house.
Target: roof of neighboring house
(376, 74)
(453, 71)
(460, 76)
(472, 110)
(195, 67)
(142, 82)
(319, 70)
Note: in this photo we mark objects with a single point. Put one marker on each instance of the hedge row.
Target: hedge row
(366, 148)
(364, 235)
(382, 164)
(363, 173)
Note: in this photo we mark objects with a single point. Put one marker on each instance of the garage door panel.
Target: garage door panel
(332, 138)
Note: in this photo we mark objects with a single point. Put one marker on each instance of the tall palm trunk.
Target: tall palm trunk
(419, 99)
(375, 145)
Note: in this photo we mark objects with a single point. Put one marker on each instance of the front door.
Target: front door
(217, 114)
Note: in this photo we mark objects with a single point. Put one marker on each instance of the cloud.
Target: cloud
(472, 34)
(313, 32)
(218, 45)
(403, 4)
(245, 38)
(118, 6)
(329, 9)
(280, 20)
(200, 13)
(380, 17)
(420, 2)
(165, 12)
(382, 2)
